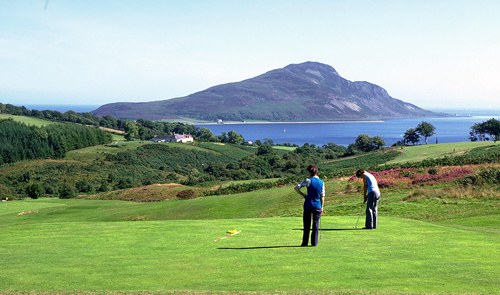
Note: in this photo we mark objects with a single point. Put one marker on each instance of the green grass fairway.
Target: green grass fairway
(401, 255)
(422, 152)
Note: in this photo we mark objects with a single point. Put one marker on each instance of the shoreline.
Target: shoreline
(311, 122)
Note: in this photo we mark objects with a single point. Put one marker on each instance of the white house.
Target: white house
(173, 138)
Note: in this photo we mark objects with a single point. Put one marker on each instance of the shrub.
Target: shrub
(5, 192)
(432, 171)
(34, 190)
(186, 194)
(67, 191)
(386, 183)
(487, 175)
(104, 187)
(83, 186)
(124, 183)
(446, 177)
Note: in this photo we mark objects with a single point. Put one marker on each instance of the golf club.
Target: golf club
(359, 215)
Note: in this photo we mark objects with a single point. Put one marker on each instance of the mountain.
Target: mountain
(308, 91)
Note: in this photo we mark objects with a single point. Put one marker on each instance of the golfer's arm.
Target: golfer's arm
(323, 202)
(365, 187)
(297, 189)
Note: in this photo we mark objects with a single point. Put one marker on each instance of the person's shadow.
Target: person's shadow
(275, 247)
(254, 248)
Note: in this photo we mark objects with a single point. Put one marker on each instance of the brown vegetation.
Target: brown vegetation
(150, 193)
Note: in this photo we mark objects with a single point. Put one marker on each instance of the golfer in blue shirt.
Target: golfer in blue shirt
(313, 204)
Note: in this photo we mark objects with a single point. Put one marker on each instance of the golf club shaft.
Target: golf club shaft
(359, 215)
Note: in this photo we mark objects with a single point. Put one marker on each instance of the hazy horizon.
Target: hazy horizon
(429, 53)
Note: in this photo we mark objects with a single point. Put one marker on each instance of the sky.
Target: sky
(436, 54)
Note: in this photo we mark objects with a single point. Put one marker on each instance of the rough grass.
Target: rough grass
(150, 193)
(99, 152)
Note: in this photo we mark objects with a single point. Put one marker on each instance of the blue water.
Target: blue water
(448, 130)
(452, 129)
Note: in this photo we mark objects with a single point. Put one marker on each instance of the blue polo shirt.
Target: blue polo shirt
(315, 190)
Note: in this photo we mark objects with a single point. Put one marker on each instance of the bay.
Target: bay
(448, 130)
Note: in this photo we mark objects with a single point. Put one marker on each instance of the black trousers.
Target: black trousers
(306, 219)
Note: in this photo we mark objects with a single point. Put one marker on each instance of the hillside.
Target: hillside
(308, 91)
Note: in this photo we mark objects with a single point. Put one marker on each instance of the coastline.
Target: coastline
(311, 122)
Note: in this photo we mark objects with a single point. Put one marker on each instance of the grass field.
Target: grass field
(27, 120)
(97, 152)
(421, 152)
(63, 245)
(430, 240)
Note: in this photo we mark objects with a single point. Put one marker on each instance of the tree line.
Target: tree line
(19, 141)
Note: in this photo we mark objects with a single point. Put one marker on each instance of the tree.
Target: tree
(205, 135)
(67, 191)
(425, 130)
(268, 141)
(223, 137)
(411, 136)
(479, 130)
(265, 149)
(34, 190)
(378, 142)
(131, 130)
(366, 143)
(235, 138)
(4, 192)
(363, 143)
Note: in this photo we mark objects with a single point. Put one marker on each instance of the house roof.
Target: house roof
(171, 136)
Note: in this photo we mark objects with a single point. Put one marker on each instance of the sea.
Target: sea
(448, 129)
(451, 129)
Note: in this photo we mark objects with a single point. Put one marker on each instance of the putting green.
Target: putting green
(402, 255)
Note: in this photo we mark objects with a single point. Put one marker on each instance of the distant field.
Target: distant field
(229, 150)
(421, 152)
(28, 120)
(287, 148)
(97, 152)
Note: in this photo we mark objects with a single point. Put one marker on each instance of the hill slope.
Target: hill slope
(308, 91)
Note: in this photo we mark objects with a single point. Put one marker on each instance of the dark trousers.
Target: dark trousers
(371, 210)
(316, 214)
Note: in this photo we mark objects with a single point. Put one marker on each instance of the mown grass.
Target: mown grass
(422, 152)
(422, 244)
(405, 255)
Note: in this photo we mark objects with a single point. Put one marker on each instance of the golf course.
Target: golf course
(132, 217)
(428, 246)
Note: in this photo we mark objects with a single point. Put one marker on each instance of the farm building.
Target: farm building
(173, 138)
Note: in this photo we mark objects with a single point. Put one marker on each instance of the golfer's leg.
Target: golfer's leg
(314, 234)
(369, 211)
(306, 220)
(375, 210)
